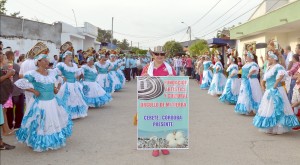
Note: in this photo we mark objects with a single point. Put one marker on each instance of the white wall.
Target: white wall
(258, 39)
(88, 42)
(269, 6)
(77, 43)
(259, 12)
(24, 45)
(294, 39)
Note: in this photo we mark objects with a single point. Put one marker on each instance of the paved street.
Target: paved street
(217, 136)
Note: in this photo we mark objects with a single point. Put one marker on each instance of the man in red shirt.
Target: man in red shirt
(189, 66)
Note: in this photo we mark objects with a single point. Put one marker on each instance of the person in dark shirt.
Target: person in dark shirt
(18, 97)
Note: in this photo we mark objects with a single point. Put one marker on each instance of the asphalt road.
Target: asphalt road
(217, 136)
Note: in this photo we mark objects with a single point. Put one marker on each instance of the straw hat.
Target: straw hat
(37, 49)
(66, 46)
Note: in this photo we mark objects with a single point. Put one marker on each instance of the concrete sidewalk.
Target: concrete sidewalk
(217, 136)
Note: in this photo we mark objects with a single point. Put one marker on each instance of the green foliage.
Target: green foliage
(124, 45)
(115, 41)
(199, 47)
(138, 51)
(172, 47)
(104, 35)
(16, 14)
(2, 7)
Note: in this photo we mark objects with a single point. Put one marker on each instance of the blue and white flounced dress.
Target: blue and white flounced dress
(117, 78)
(95, 95)
(250, 91)
(218, 81)
(77, 106)
(104, 79)
(232, 87)
(207, 75)
(120, 72)
(275, 114)
(46, 123)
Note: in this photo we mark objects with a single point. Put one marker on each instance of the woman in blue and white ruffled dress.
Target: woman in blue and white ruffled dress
(46, 123)
(207, 74)
(104, 79)
(71, 90)
(250, 91)
(219, 80)
(120, 72)
(275, 114)
(95, 95)
(117, 78)
(231, 91)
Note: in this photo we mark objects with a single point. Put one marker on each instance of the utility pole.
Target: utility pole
(131, 45)
(190, 30)
(112, 30)
(74, 17)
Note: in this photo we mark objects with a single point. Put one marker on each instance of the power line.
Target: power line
(206, 13)
(56, 11)
(32, 9)
(135, 36)
(169, 35)
(149, 41)
(214, 21)
(233, 19)
(183, 37)
(273, 6)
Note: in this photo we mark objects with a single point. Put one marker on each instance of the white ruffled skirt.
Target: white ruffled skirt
(46, 125)
(116, 80)
(206, 80)
(249, 96)
(121, 77)
(231, 91)
(275, 114)
(217, 84)
(72, 94)
(95, 95)
(106, 82)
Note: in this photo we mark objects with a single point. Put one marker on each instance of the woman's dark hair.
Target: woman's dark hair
(255, 58)
(222, 59)
(21, 58)
(296, 57)
(235, 60)
(60, 59)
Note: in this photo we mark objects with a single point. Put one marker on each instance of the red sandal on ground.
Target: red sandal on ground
(155, 153)
(165, 152)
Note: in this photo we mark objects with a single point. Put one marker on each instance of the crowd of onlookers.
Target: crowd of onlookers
(12, 98)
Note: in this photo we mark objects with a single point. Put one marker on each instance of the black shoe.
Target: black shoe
(7, 147)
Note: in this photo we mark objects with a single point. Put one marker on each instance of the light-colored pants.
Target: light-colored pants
(296, 99)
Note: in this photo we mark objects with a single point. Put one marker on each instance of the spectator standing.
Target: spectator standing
(5, 83)
(18, 98)
(189, 66)
(21, 59)
(133, 66)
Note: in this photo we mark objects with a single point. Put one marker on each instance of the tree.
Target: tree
(124, 45)
(104, 36)
(198, 47)
(114, 41)
(172, 47)
(2, 7)
(16, 14)
(139, 51)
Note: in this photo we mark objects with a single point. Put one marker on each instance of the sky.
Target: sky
(146, 23)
